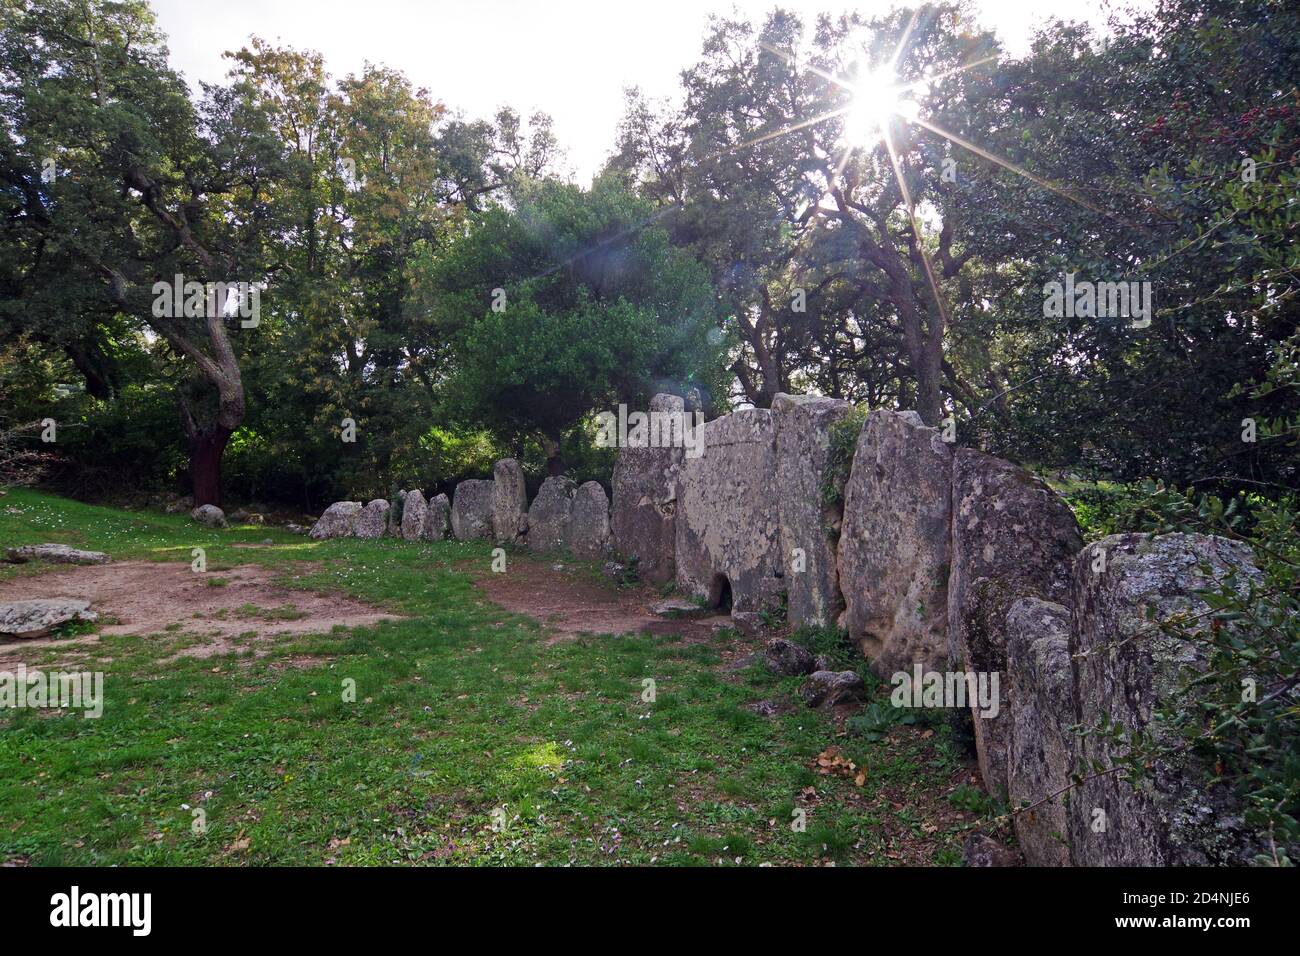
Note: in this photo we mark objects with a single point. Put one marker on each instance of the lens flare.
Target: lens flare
(877, 98)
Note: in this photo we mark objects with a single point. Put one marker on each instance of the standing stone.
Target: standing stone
(509, 501)
(414, 512)
(644, 504)
(1174, 816)
(550, 514)
(436, 516)
(373, 522)
(1041, 747)
(471, 509)
(338, 521)
(728, 533)
(588, 532)
(894, 548)
(803, 424)
(1012, 537)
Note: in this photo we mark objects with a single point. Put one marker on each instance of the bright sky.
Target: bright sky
(569, 58)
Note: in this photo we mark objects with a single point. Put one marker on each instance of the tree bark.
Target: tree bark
(554, 460)
(206, 449)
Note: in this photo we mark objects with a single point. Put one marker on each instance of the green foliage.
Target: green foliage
(1101, 507)
(565, 305)
(972, 799)
(879, 717)
(832, 643)
(843, 443)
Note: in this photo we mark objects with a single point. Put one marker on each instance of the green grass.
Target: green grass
(464, 718)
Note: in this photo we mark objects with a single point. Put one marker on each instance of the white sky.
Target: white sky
(569, 58)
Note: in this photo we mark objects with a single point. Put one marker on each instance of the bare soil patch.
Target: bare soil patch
(148, 598)
(569, 603)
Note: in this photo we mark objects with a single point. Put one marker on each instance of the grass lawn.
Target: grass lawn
(471, 739)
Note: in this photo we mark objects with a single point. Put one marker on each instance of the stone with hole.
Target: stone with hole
(728, 531)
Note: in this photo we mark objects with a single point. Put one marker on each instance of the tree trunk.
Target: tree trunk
(554, 461)
(206, 449)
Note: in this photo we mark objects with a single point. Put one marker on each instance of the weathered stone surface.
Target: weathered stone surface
(54, 554)
(1041, 709)
(644, 504)
(894, 547)
(414, 512)
(471, 509)
(1129, 667)
(678, 608)
(803, 424)
(437, 516)
(1012, 537)
(827, 688)
(209, 515)
(588, 532)
(509, 501)
(338, 521)
(550, 514)
(787, 658)
(27, 619)
(728, 533)
(373, 521)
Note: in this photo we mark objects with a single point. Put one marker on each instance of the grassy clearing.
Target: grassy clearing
(464, 720)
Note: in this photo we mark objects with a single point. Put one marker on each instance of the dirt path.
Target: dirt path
(144, 597)
(570, 603)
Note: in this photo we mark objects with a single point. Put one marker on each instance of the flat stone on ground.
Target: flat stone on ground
(54, 554)
(28, 619)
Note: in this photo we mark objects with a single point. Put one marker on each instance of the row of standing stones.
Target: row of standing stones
(563, 516)
(933, 558)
